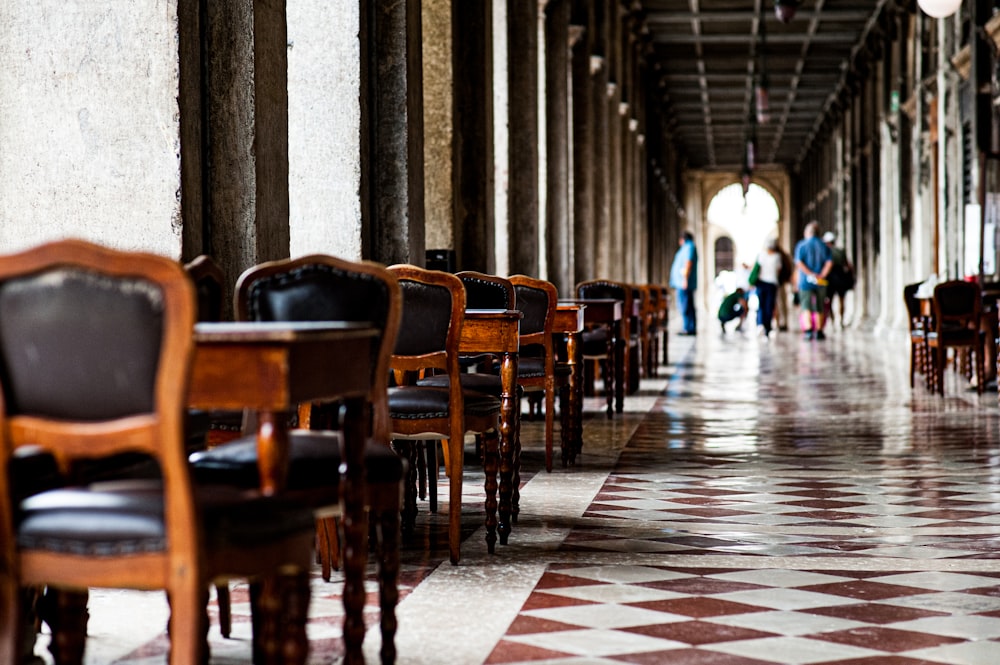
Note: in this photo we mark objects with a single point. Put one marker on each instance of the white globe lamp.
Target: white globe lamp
(939, 8)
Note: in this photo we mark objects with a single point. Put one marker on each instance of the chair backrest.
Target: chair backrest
(957, 304)
(325, 288)
(433, 311)
(599, 289)
(910, 298)
(95, 350)
(209, 285)
(484, 291)
(536, 300)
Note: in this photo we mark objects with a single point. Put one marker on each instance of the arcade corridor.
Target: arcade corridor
(761, 503)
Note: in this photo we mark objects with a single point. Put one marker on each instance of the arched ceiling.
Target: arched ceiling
(705, 55)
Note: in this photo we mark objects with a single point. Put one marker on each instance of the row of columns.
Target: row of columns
(358, 129)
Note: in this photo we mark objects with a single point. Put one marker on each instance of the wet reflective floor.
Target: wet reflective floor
(759, 503)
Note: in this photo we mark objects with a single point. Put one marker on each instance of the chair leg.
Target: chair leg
(17, 631)
(407, 450)
(66, 614)
(430, 451)
(550, 409)
(280, 607)
(421, 472)
(388, 579)
(225, 604)
(454, 454)
(491, 465)
(188, 626)
(328, 544)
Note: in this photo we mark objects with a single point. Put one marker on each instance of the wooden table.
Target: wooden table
(569, 321)
(609, 312)
(271, 368)
(498, 331)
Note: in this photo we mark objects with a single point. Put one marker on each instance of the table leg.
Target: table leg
(568, 433)
(272, 450)
(610, 372)
(508, 432)
(355, 521)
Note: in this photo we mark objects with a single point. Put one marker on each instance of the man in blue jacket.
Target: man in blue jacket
(684, 280)
(813, 261)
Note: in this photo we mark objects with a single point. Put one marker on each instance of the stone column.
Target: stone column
(100, 124)
(558, 213)
(438, 126)
(392, 182)
(601, 151)
(615, 114)
(523, 135)
(247, 113)
(583, 162)
(472, 109)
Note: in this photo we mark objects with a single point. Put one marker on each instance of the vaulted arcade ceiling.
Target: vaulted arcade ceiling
(710, 54)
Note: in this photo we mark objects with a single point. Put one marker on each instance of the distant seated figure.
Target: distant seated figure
(734, 306)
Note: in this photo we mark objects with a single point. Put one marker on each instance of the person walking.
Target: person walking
(684, 280)
(813, 261)
(841, 276)
(768, 279)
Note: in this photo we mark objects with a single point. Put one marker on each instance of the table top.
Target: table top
(278, 331)
(491, 331)
(569, 317)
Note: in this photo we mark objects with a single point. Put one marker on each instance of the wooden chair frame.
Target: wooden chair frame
(184, 568)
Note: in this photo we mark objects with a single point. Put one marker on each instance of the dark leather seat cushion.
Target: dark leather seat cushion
(535, 367)
(488, 384)
(126, 517)
(314, 462)
(594, 342)
(419, 403)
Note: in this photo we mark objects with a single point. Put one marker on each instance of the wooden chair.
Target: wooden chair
(957, 311)
(482, 291)
(647, 330)
(918, 332)
(615, 362)
(538, 372)
(77, 386)
(324, 288)
(433, 314)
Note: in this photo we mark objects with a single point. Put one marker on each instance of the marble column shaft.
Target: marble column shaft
(472, 159)
(558, 214)
(583, 161)
(523, 136)
(392, 118)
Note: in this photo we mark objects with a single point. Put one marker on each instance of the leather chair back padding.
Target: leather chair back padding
(424, 323)
(85, 376)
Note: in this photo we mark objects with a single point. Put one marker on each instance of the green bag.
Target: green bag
(754, 274)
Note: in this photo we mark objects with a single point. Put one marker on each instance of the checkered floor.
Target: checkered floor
(762, 503)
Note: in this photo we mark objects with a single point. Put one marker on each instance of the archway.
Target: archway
(748, 222)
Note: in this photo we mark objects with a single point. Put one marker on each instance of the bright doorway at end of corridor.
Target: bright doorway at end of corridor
(738, 229)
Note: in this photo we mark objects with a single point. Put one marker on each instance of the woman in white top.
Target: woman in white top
(767, 284)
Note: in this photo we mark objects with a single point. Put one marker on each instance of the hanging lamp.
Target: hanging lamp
(785, 9)
(939, 8)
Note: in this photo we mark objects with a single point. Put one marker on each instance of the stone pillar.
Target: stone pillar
(99, 123)
(472, 113)
(247, 111)
(392, 182)
(601, 150)
(523, 135)
(324, 128)
(615, 114)
(438, 126)
(581, 37)
(558, 213)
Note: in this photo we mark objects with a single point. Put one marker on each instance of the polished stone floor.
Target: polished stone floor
(762, 502)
